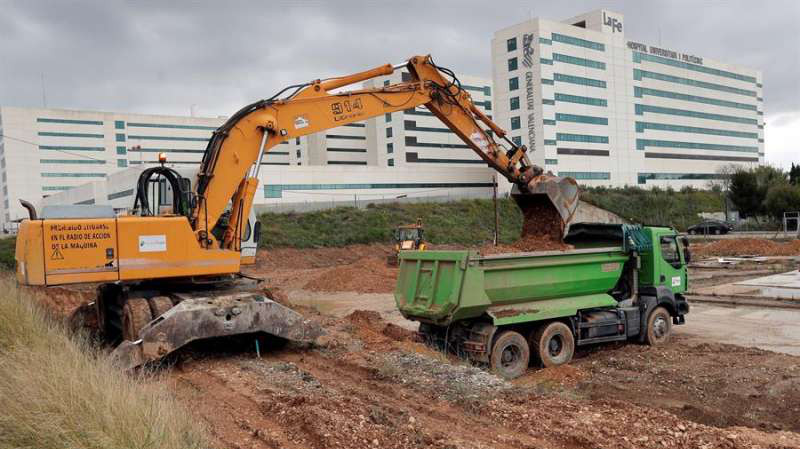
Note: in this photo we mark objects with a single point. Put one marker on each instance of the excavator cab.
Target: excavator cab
(407, 238)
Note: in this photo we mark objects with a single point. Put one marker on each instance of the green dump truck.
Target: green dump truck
(620, 282)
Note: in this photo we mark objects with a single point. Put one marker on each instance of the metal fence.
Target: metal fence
(361, 203)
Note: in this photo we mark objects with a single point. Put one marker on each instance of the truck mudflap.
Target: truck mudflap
(196, 318)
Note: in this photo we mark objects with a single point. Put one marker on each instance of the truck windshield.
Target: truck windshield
(669, 250)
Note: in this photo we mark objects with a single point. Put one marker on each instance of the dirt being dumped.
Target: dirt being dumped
(746, 247)
(542, 230)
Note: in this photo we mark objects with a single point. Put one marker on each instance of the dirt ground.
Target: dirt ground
(369, 383)
(747, 247)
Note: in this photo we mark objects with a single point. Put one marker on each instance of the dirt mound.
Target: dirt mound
(746, 247)
(367, 275)
(297, 258)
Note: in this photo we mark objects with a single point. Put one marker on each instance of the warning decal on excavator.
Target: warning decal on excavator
(77, 236)
(73, 246)
(56, 254)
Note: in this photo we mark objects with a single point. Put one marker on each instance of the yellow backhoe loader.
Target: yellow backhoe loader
(407, 238)
(168, 279)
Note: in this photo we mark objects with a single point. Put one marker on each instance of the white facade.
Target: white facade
(296, 185)
(84, 157)
(591, 104)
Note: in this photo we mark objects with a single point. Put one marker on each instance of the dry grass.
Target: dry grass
(57, 390)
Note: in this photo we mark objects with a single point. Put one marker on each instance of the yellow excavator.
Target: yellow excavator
(166, 279)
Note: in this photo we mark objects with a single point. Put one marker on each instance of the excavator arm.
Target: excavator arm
(229, 171)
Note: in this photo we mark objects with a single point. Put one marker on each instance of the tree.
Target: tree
(744, 192)
(782, 198)
(794, 174)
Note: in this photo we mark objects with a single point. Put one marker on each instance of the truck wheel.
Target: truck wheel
(135, 315)
(659, 327)
(553, 344)
(510, 355)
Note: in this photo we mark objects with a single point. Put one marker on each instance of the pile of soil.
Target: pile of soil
(367, 275)
(542, 230)
(747, 247)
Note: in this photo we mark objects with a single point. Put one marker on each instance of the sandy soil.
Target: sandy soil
(370, 383)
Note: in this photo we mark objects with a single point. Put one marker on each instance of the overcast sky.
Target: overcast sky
(167, 57)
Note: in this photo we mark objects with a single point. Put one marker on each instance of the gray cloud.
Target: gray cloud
(163, 57)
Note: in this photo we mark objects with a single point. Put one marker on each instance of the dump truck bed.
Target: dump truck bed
(441, 287)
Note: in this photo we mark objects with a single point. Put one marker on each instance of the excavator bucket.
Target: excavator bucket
(561, 193)
(199, 316)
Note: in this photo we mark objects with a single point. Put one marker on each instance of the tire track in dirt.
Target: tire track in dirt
(233, 419)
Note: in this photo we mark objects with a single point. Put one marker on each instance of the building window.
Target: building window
(391, 162)
(513, 103)
(512, 64)
(560, 77)
(579, 61)
(638, 74)
(642, 178)
(585, 138)
(513, 83)
(386, 83)
(122, 162)
(642, 143)
(122, 150)
(297, 153)
(515, 123)
(587, 175)
(578, 42)
(487, 105)
(551, 161)
(517, 140)
(639, 57)
(390, 148)
(120, 137)
(581, 100)
(511, 44)
(389, 132)
(581, 119)
(119, 124)
(642, 126)
(388, 117)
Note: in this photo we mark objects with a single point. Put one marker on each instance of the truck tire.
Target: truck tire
(553, 344)
(510, 355)
(659, 327)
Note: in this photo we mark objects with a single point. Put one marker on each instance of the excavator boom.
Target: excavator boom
(230, 166)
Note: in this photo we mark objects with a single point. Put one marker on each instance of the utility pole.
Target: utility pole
(496, 212)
